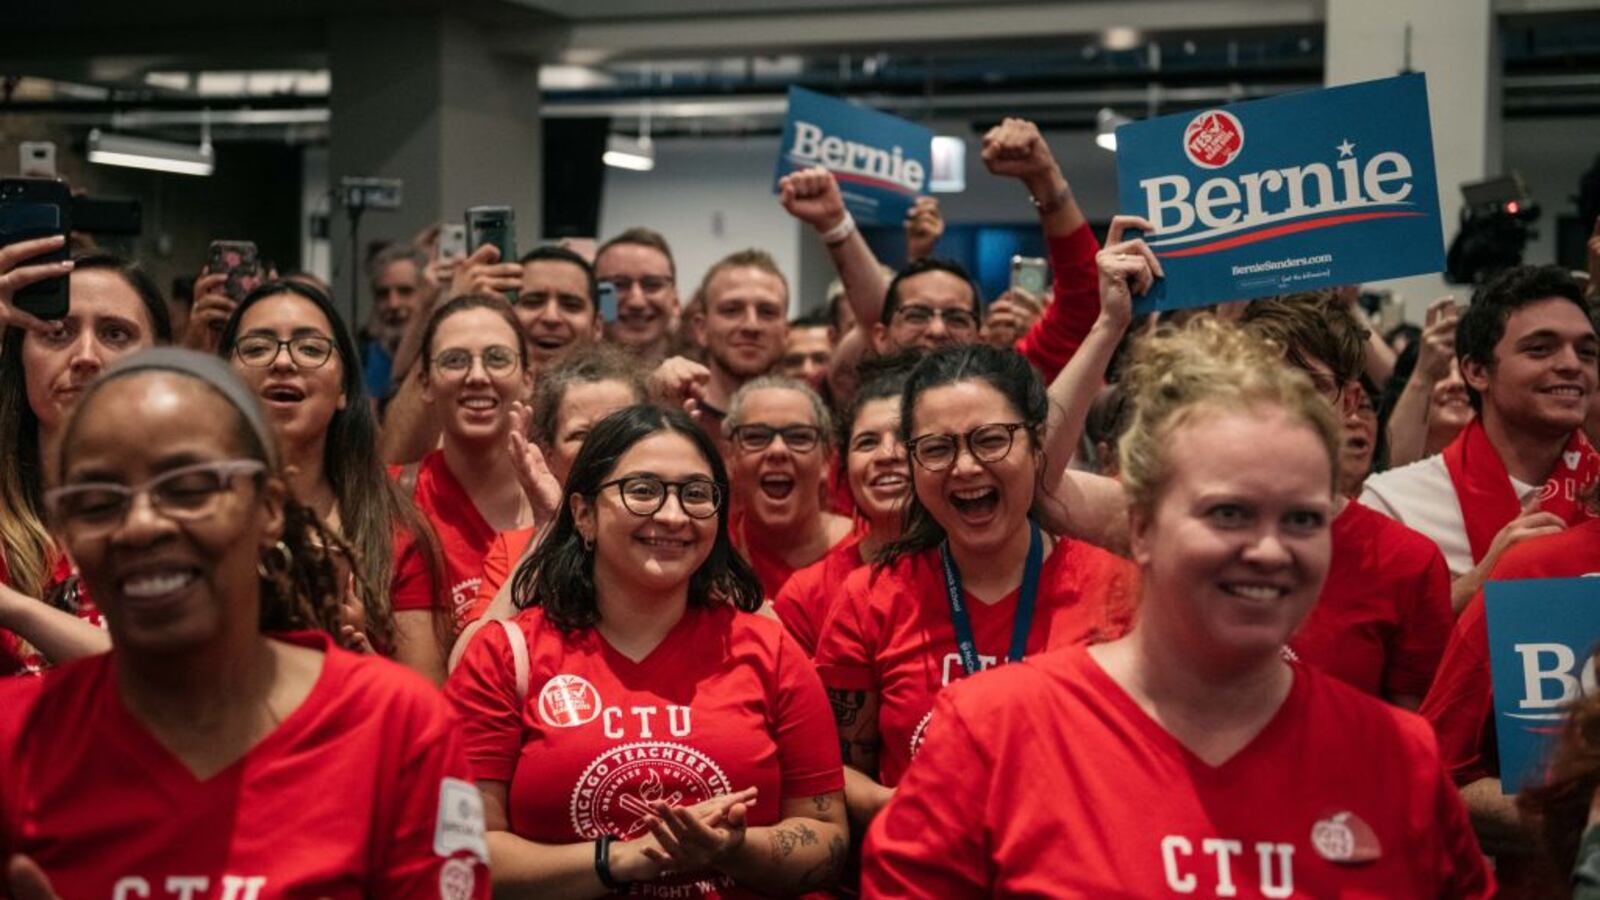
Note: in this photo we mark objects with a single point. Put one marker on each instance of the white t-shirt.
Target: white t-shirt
(1422, 497)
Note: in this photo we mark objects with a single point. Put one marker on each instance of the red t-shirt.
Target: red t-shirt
(890, 634)
(1046, 779)
(1384, 615)
(16, 656)
(361, 791)
(410, 588)
(1461, 703)
(771, 569)
(464, 534)
(501, 559)
(726, 701)
(803, 603)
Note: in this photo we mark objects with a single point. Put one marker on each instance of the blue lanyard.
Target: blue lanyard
(1021, 622)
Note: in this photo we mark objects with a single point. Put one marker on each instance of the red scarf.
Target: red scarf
(1483, 488)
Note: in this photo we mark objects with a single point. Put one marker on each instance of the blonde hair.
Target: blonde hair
(1179, 374)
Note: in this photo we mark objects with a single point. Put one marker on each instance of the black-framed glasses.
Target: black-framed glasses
(650, 285)
(919, 317)
(798, 438)
(308, 351)
(644, 495)
(987, 444)
(185, 494)
(498, 360)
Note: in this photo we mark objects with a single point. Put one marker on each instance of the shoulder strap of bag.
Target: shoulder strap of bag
(519, 656)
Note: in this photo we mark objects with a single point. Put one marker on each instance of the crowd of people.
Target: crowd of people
(923, 594)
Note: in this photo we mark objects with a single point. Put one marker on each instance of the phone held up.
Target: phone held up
(240, 261)
(1030, 274)
(495, 225)
(36, 208)
(452, 240)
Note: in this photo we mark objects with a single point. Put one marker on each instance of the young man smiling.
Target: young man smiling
(1528, 353)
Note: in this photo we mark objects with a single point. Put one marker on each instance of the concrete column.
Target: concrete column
(1455, 42)
(424, 99)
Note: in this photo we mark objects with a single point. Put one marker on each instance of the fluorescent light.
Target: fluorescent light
(142, 153)
(636, 154)
(1106, 123)
(949, 175)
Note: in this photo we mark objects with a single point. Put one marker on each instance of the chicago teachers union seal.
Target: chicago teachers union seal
(614, 793)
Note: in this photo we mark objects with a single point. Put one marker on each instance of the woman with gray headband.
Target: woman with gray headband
(226, 745)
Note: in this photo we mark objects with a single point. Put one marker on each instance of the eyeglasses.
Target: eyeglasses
(498, 360)
(307, 351)
(185, 494)
(920, 317)
(644, 495)
(755, 438)
(650, 285)
(986, 443)
(1326, 385)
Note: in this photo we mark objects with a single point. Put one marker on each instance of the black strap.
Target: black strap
(602, 865)
(1022, 621)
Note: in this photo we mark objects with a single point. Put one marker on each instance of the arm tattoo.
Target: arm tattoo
(847, 706)
(827, 871)
(822, 802)
(785, 841)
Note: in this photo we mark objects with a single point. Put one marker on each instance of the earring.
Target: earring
(588, 543)
(276, 562)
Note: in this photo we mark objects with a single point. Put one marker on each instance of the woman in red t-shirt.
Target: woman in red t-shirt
(779, 435)
(637, 723)
(879, 478)
(203, 756)
(584, 386)
(44, 367)
(290, 346)
(475, 368)
(972, 582)
(1189, 757)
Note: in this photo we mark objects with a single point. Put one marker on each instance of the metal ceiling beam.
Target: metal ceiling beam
(787, 30)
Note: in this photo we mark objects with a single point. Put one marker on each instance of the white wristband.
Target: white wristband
(840, 232)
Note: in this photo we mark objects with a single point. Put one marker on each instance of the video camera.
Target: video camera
(1496, 224)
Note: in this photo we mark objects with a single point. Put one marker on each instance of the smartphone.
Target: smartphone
(608, 302)
(241, 262)
(35, 208)
(495, 225)
(38, 159)
(1031, 274)
(452, 240)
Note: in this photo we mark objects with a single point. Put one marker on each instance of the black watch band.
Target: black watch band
(602, 865)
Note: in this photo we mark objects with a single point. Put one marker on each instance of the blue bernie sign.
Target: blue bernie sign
(1542, 636)
(1307, 190)
(881, 162)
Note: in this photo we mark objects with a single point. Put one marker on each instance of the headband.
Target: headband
(218, 375)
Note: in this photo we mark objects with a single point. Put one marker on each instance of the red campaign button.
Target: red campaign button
(1213, 139)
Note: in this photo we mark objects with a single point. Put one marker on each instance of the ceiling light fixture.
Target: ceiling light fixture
(636, 154)
(1106, 123)
(144, 153)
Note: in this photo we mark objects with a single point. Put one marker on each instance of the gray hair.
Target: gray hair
(819, 409)
(396, 252)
